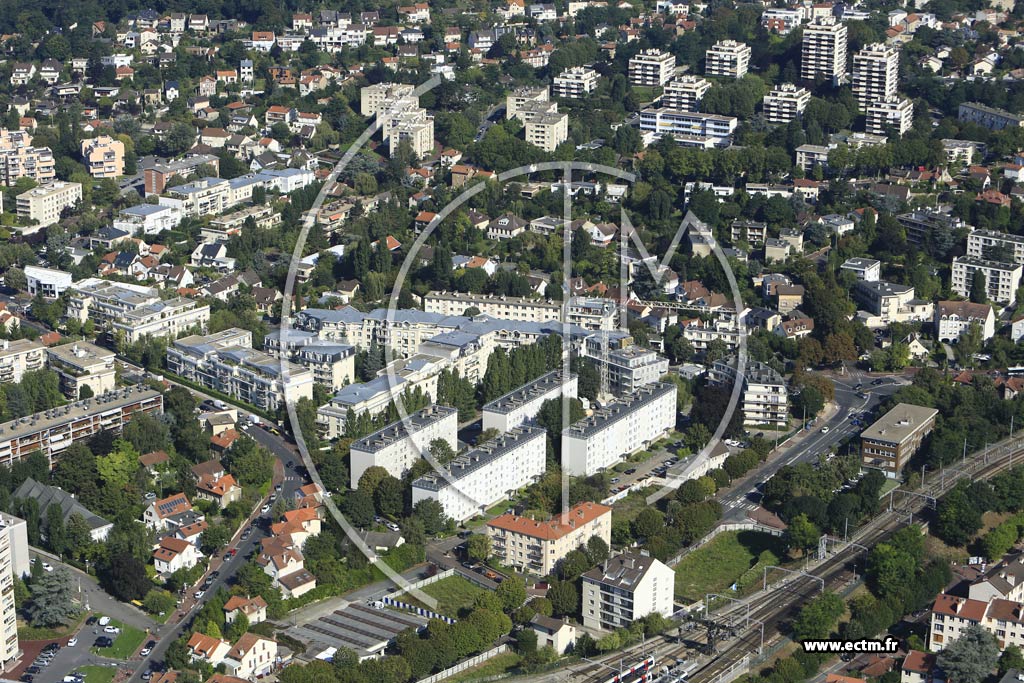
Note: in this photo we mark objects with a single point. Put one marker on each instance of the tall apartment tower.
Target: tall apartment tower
(685, 93)
(9, 647)
(875, 73)
(728, 59)
(824, 50)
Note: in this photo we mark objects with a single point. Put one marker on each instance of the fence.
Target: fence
(423, 582)
(466, 664)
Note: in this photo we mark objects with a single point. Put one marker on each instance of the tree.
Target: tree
(441, 451)
(388, 497)
(431, 513)
(124, 577)
(117, 467)
(250, 463)
(597, 550)
(564, 598)
(478, 547)
(802, 534)
(358, 508)
(818, 617)
(371, 478)
(159, 601)
(51, 603)
(979, 287)
(1011, 659)
(971, 657)
(512, 593)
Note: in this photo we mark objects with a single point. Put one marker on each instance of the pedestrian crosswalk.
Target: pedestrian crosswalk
(745, 505)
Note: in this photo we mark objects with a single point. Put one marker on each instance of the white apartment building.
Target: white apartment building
(519, 98)
(590, 313)
(415, 126)
(538, 546)
(953, 319)
(689, 128)
(626, 369)
(781, 21)
(374, 99)
(601, 439)
(865, 269)
(651, 68)
(685, 93)
(82, 364)
(486, 475)
(575, 83)
(400, 445)
(727, 59)
(1001, 279)
(895, 113)
(876, 69)
(823, 52)
(332, 364)
(148, 219)
(765, 398)
(886, 302)
(226, 362)
(52, 431)
(809, 156)
(980, 242)
(625, 588)
(45, 203)
(785, 102)
(10, 650)
(952, 615)
(134, 311)
(521, 405)
(48, 282)
(18, 356)
(547, 131)
(19, 159)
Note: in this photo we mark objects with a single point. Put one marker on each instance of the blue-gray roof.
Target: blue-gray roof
(357, 393)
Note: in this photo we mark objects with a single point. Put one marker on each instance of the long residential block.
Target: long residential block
(602, 439)
(487, 474)
(516, 407)
(398, 446)
(538, 546)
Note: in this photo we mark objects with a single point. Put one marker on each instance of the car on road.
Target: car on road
(247, 533)
(392, 526)
(91, 620)
(73, 642)
(52, 647)
(147, 675)
(27, 678)
(275, 431)
(631, 470)
(278, 488)
(199, 594)
(145, 652)
(467, 565)
(615, 480)
(291, 464)
(824, 430)
(878, 381)
(266, 508)
(47, 567)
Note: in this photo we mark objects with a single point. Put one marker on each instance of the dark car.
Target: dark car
(52, 647)
(151, 644)
(878, 381)
(91, 620)
(27, 678)
(103, 641)
(291, 464)
(631, 470)
(33, 670)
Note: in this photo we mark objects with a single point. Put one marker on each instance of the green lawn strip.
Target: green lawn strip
(722, 562)
(97, 674)
(494, 666)
(452, 594)
(37, 633)
(125, 644)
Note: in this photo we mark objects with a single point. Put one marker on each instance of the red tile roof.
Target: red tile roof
(581, 514)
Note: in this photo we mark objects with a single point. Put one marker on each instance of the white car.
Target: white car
(111, 629)
(47, 567)
(265, 509)
(145, 651)
(824, 430)
(104, 621)
(73, 642)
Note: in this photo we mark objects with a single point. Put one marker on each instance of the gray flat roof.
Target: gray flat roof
(612, 413)
(55, 417)
(396, 431)
(358, 627)
(495, 449)
(899, 423)
(526, 393)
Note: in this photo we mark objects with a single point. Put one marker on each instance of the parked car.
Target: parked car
(631, 470)
(103, 641)
(104, 621)
(266, 508)
(144, 652)
(111, 629)
(47, 567)
(73, 642)
(199, 594)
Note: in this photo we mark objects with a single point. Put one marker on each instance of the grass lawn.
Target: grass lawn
(98, 674)
(26, 632)
(125, 644)
(722, 562)
(452, 594)
(492, 667)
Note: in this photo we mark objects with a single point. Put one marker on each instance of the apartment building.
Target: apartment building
(626, 369)
(785, 102)
(864, 269)
(651, 68)
(1001, 279)
(49, 283)
(809, 156)
(103, 156)
(525, 97)
(52, 431)
(625, 588)
(80, 365)
(894, 113)
(590, 313)
(10, 649)
(876, 69)
(18, 356)
(156, 177)
(989, 117)
(689, 128)
(414, 126)
(781, 21)
(486, 475)
(226, 362)
(148, 219)
(765, 397)
(575, 83)
(922, 224)
(823, 51)
(332, 365)
(953, 319)
(400, 445)
(547, 131)
(522, 405)
(632, 422)
(19, 159)
(727, 59)
(890, 442)
(134, 311)
(884, 302)
(375, 99)
(985, 244)
(753, 233)
(45, 203)
(685, 93)
(952, 615)
(538, 546)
